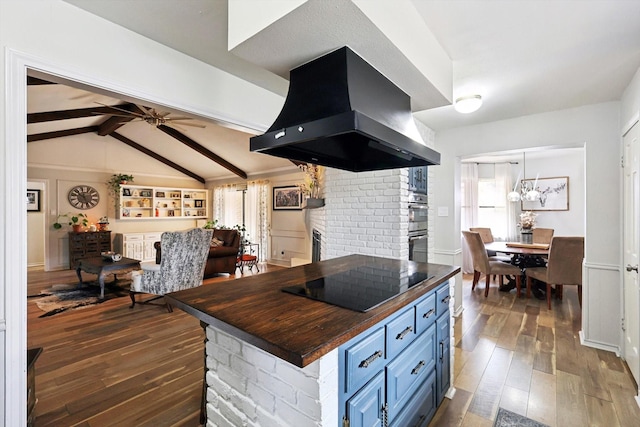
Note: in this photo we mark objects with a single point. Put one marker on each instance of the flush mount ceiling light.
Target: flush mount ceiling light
(468, 104)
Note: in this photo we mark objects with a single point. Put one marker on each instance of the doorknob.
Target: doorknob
(630, 268)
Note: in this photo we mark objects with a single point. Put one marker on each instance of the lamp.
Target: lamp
(468, 104)
(528, 191)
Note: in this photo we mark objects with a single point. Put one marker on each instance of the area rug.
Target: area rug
(511, 419)
(63, 297)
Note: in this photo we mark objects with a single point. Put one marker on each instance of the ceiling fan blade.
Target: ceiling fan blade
(146, 111)
(113, 114)
(196, 125)
(130, 113)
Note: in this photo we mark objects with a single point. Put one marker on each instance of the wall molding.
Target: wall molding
(597, 266)
(599, 345)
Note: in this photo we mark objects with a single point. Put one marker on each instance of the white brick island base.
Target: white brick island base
(247, 386)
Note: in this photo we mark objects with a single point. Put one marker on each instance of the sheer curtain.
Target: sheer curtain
(227, 205)
(504, 185)
(256, 212)
(469, 209)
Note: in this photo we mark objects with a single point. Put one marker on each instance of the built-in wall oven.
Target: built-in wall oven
(418, 233)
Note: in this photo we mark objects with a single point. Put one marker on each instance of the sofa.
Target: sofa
(223, 252)
(222, 257)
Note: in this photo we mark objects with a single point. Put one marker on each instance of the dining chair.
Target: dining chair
(487, 237)
(483, 265)
(564, 267)
(542, 235)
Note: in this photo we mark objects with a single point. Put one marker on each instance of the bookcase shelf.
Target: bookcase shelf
(144, 202)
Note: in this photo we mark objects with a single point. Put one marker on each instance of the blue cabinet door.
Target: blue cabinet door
(364, 409)
(443, 365)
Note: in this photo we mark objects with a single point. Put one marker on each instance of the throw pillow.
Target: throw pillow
(216, 242)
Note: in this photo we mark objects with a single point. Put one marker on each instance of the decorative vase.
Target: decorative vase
(526, 235)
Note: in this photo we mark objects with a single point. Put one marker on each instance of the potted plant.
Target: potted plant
(117, 179)
(76, 221)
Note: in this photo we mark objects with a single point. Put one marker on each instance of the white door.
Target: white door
(631, 142)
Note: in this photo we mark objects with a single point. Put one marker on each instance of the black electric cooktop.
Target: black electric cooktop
(361, 289)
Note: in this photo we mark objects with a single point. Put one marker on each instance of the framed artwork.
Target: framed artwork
(287, 198)
(554, 194)
(198, 203)
(126, 192)
(160, 194)
(33, 200)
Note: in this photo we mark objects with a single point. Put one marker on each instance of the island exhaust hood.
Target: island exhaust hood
(342, 113)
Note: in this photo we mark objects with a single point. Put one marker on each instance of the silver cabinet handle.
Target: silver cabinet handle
(369, 360)
(402, 334)
(428, 313)
(418, 367)
(446, 299)
(630, 268)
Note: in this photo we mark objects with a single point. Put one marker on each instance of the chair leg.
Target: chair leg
(528, 287)
(476, 278)
(486, 285)
(132, 295)
(559, 289)
(549, 296)
(580, 295)
(500, 281)
(518, 285)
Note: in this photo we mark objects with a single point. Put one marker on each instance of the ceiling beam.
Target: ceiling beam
(156, 156)
(61, 133)
(112, 124)
(202, 150)
(50, 116)
(32, 81)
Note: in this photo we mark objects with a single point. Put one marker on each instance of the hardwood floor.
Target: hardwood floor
(516, 354)
(108, 365)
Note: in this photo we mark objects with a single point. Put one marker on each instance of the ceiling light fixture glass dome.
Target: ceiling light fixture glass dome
(468, 104)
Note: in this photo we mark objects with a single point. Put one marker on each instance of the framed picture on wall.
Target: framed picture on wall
(33, 200)
(554, 194)
(287, 198)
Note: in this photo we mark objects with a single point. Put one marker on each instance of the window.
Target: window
(492, 208)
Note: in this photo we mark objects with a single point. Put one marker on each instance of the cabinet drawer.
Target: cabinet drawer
(420, 408)
(442, 298)
(405, 374)
(400, 332)
(425, 313)
(133, 237)
(154, 237)
(364, 359)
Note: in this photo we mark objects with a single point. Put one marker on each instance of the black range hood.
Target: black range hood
(342, 113)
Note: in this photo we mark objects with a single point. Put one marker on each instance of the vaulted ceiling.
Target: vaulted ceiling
(191, 147)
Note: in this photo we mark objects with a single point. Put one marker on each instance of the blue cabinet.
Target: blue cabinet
(397, 372)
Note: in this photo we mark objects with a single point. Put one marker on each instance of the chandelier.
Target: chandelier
(528, 191)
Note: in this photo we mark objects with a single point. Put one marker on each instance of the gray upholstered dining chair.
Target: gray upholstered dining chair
(483, 265)
(542, 235)
(487, 237)
(564, 267)
(184, 254)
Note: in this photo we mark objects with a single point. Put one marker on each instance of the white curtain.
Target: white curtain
(469, 209)
(504, 184)
(227, 205)
(256, 215)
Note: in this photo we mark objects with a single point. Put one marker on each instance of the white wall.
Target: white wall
(596, 127)
(54, 37)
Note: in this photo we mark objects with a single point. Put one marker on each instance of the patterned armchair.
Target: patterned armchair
(184, 254)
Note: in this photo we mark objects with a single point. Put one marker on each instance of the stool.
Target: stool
(246, 260)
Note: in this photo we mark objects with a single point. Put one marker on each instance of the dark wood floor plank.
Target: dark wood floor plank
(572, 411)
(487, 395)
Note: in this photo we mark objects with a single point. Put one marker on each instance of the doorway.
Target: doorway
(631, 236)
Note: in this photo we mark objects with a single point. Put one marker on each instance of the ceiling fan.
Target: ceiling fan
(150, 116)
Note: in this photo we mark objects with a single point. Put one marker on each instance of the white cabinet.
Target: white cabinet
(137, 245)
(143, 202)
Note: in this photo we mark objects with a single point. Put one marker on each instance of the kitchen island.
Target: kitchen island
(273, 357)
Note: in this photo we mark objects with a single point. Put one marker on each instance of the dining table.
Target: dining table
(516, 248)
(523, 255)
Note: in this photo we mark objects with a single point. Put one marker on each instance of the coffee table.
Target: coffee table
(102, 267)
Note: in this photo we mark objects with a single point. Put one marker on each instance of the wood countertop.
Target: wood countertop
(297, 329)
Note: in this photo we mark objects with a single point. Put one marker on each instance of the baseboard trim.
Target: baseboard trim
(598, 345)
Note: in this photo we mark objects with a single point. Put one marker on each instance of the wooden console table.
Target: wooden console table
(102, 267)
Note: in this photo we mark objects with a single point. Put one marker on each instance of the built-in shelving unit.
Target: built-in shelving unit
(144, 202)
